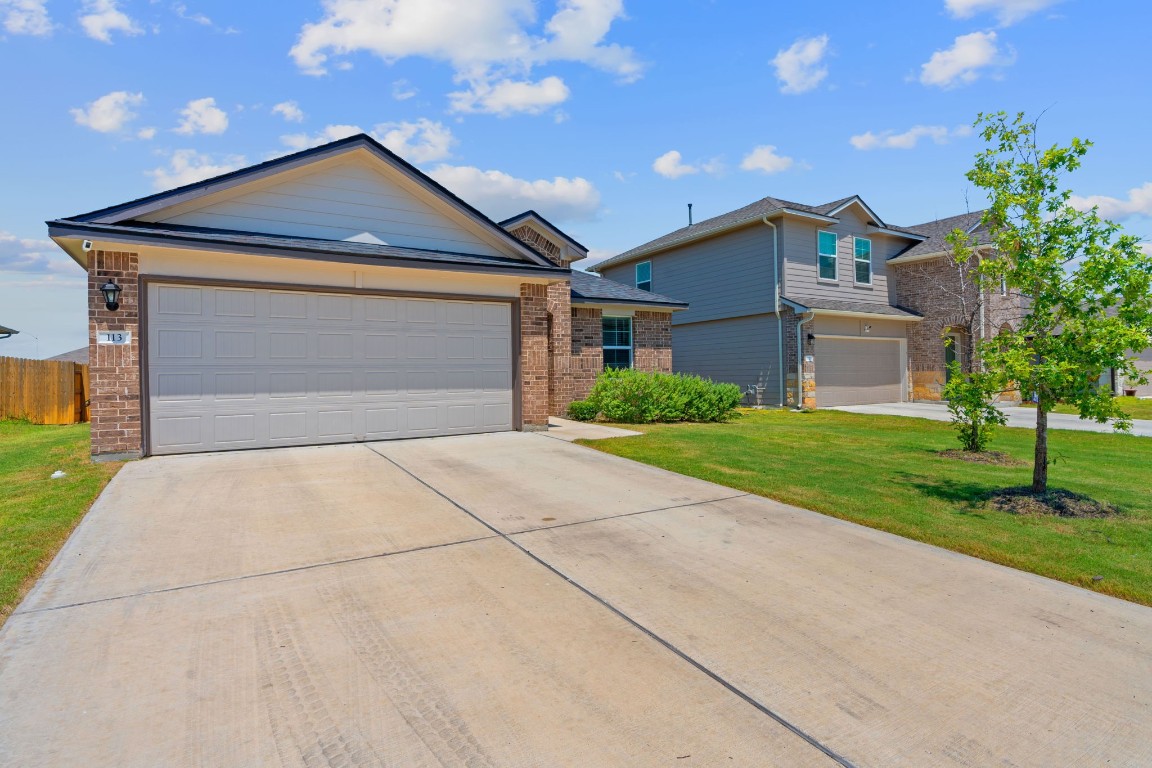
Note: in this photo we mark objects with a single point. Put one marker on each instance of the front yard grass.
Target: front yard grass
(36, 512)
(1135, 407)
(884, 472)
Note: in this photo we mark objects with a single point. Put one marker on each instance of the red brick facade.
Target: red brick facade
(652, 341)
(560, 390)
(114, 369)
(587, 350)
(535, 360)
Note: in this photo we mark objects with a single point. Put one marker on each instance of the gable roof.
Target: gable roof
(593, 289)
(767, 206)
(75, 356)
(937, 232)
(838, 306)
(530, 215)
(132, 209)
(6, 332)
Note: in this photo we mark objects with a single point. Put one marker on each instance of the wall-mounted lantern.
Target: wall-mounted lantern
(111, 293)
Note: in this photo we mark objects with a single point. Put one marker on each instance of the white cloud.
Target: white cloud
(402, 90)
(182, 11)
(146, 133)
(26, 17)
(961, 64)
(764, 159)
(290, 111)
(423, 141)
(491, 44)
(19, 254)
(500, 195)
(203, 116)
(103, 17)
(1007, 11)
(509, 96)
(109, 113)
(799, 67)
(909, 138)
(186, 166)
(671, 165)
(298, 141)
(1139, 203)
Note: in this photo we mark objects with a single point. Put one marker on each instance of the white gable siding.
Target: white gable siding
(341, 201)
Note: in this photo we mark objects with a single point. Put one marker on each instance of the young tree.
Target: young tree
(1089, 285)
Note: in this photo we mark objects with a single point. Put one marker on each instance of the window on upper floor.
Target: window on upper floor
(644, 276)
(826, 254)
(617, 342)
(863, 260)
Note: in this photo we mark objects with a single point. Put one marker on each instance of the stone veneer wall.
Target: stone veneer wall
(587, 349)
(114, 369)
(652, 341)
(534, 357)
(808, 368)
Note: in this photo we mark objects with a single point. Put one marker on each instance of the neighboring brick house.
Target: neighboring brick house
(338, 295)
(956, 313)
(816, 305)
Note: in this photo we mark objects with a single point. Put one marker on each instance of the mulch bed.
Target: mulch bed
(1056, 502)
(982, 457)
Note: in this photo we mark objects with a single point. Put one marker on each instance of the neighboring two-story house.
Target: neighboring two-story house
(815, 305)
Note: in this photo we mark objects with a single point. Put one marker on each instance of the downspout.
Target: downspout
(800, 357)
(776, 305)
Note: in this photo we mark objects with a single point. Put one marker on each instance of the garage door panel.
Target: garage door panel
(858, 372)
(315, 368)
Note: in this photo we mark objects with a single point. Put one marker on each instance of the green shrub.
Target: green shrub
(970, 401)
(641, 397)
(582, 410)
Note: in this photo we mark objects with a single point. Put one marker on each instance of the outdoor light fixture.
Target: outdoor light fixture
(811, 337)
(111, 293)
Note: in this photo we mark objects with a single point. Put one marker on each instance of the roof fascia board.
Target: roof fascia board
(57, 233)
(856, 200)
(531, 215)
(867, 315)
(793, 305)
(894, 233)
(666, 307)
(934, 255)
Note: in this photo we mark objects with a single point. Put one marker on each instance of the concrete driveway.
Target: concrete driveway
(1016, 415)
(515, 600)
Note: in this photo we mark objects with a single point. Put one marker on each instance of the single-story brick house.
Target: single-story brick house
(336, 295)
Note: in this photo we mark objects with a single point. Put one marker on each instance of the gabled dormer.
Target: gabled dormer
(545, 237)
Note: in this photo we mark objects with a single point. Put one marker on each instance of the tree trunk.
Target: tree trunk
(1040, 465)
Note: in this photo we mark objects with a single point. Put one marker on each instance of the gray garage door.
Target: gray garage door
(852, 372)
(253, 368)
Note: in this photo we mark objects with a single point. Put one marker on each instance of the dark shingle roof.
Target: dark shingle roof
(518, 217)
(224, 239)
(836, 305)
(938, 230)
(8, 331)
(593, 289)
(75, 356)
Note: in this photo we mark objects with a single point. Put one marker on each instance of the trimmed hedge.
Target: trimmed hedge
(582, 410)
(641, 397)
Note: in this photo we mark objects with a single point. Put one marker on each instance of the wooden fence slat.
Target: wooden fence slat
(43, 391)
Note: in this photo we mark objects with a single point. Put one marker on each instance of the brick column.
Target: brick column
(534, 356)
(560, 348)
(652, 341)
(587, 349)
(114, 369)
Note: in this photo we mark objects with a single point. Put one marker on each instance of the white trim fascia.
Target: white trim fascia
(857, 200)
(934, 255)
(866, 315)
(894, 233)
(793, 305)
(806, 215)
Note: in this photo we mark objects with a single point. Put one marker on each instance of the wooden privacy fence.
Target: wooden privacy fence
(43, 391)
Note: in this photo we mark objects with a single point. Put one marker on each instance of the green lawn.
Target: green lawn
(883, 472)
(1133, 406)
(36, 512)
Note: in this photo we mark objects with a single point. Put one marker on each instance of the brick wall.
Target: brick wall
(534, 358)
(560, 387)
(587, 349)
(652, 341)
(114, 369)
(807, 395)
(540, 244)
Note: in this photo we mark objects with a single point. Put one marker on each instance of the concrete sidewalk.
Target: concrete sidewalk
(515, 600)
(1017, 417)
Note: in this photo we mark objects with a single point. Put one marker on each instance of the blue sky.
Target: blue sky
(607, 116)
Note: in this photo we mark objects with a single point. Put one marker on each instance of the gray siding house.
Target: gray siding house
(792, 302)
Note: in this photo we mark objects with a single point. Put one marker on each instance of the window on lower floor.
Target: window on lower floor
(617, 342)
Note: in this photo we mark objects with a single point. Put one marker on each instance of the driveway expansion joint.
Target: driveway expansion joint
(684, 656)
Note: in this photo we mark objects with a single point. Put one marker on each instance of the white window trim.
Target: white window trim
(631, 339)
(856, 260)
(835, 255)
(636, 275)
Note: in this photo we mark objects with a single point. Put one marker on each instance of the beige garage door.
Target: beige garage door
(851, 372)
(231, 368)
